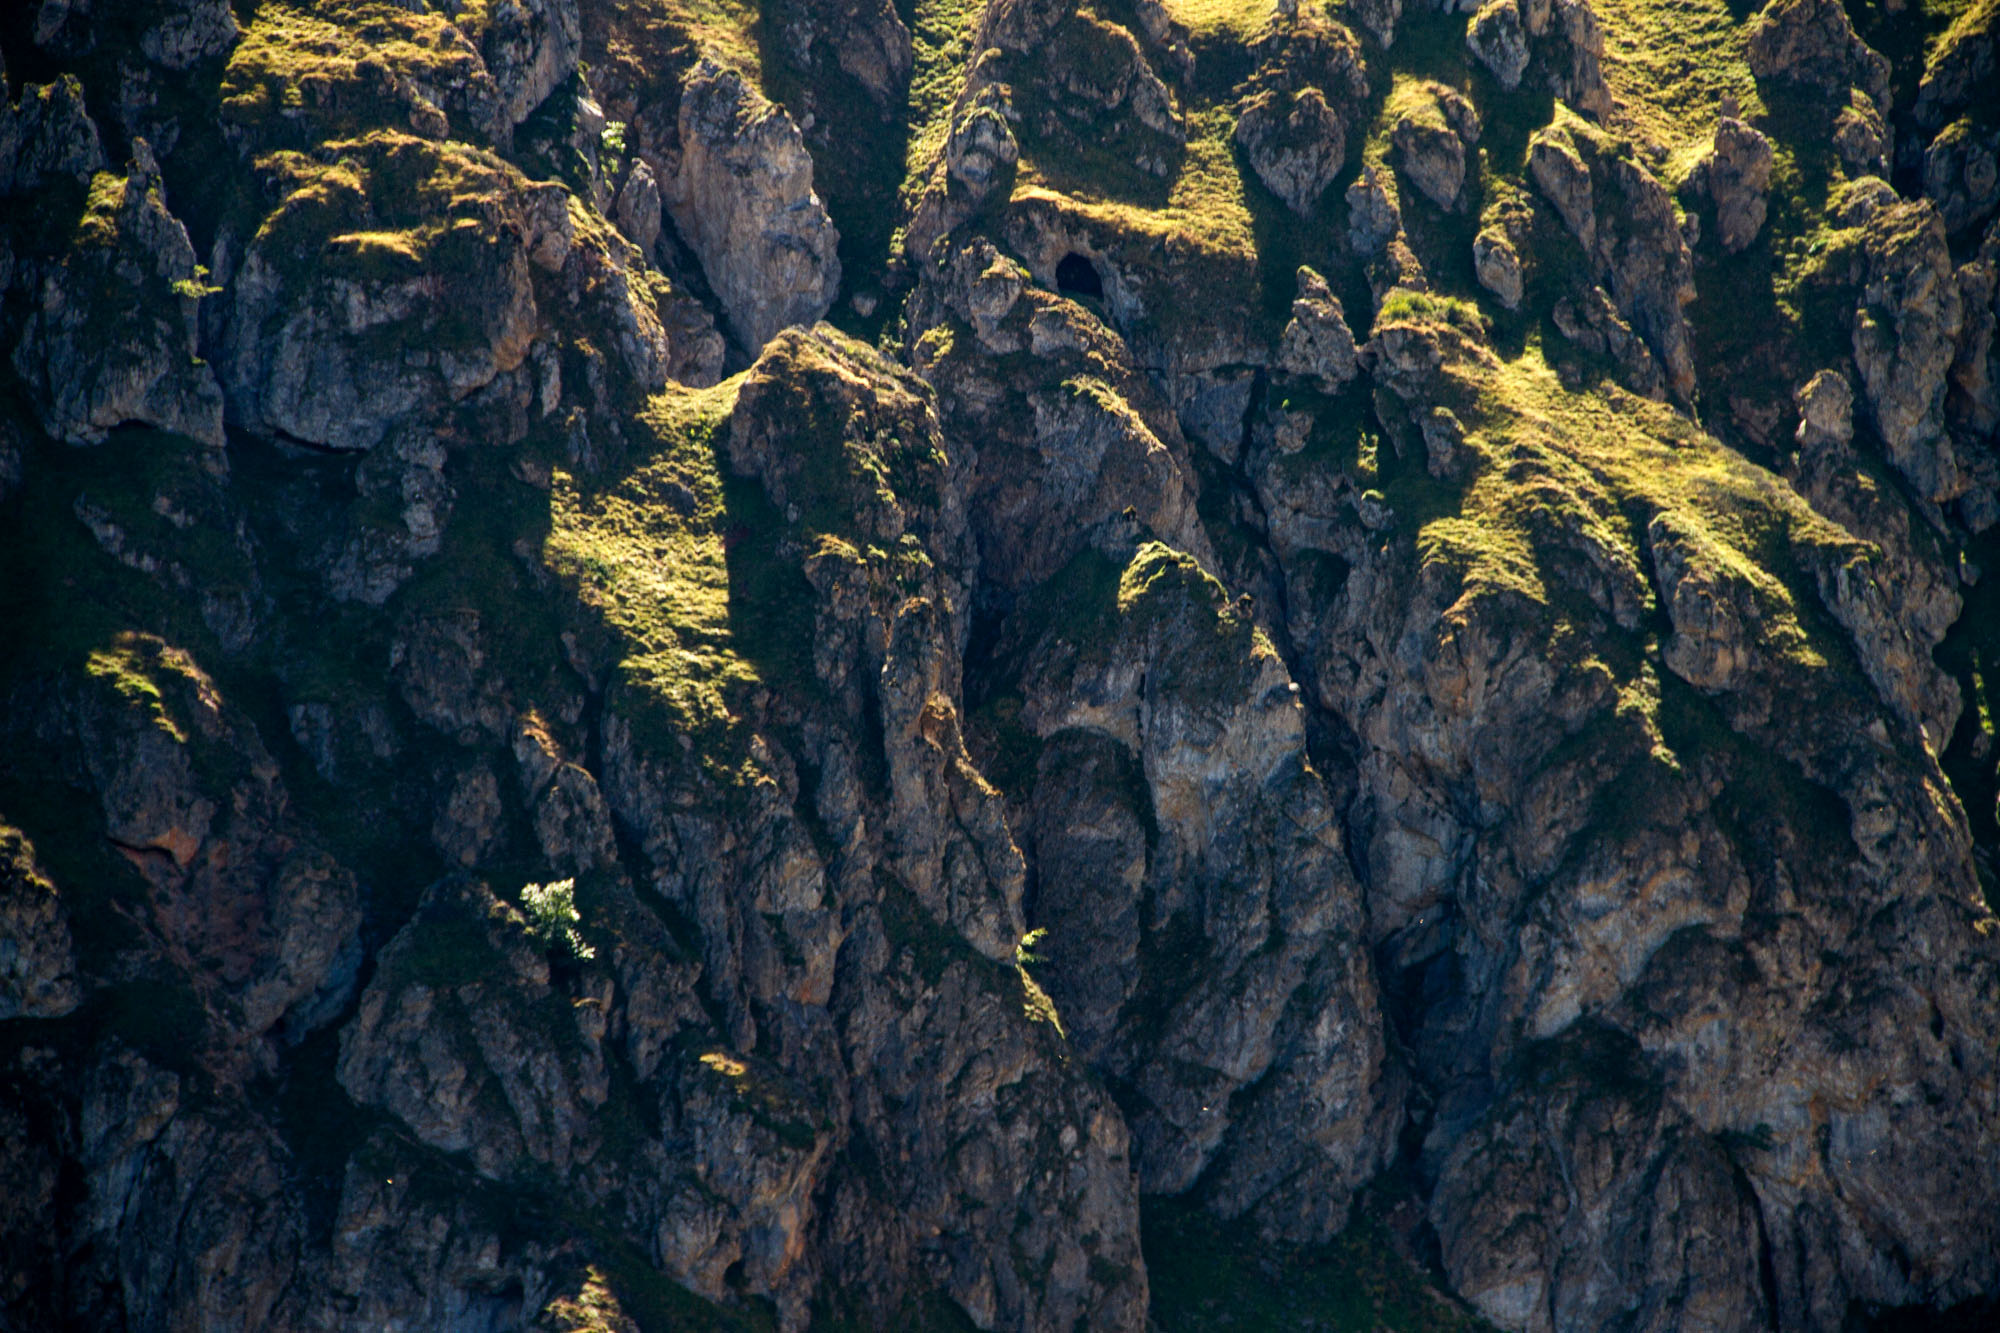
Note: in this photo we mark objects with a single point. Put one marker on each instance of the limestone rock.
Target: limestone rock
(1906, 322)
(189, 32)
(1302, 101)
(1958, 75)
(37, 961)
(1592, 322)
(112, 337)
(865, 39)
(1380, 18)
(47, 135)
(981, 153)
(1295, 142)
(1215, 741)
(1317, 343)
(1812, 42)
(1372, 214)
(1826, 412)
(739, 186)
(1431, 136)
(1638, 251)
(1498, 266)
(1737, 175)
(1974, 396)
(1498, 38)
(1962, 174)
(1860, 137)
(1098, 89)
(529, 47)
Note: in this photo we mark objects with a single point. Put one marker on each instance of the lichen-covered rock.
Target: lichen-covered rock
(1317, 344)
(1974, 396)
(354, 254)
(1736, 174)
(1592, 322)
(299, 77)
(1373, 217)
(866, 40)
(1140, 673)
(1958, 74)
(47, 135)
(1295, 142)
(739, 186)
(1096, 90)
(981, 152)
(528, 47)
(111, 338)
(1379, 17)
(1812, 42)
(187, 32)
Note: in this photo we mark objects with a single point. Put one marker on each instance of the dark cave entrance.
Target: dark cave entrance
(1077, 276)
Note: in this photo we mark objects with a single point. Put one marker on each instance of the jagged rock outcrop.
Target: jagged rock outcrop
(47, 135)
(1317, 343)
(1563, 38)
(37, 958)
(1736, 175)
(1498, 266)
(1962, 174)
(1860, 136)
(1431, 135)
(866, 40)
(1906, 322)
(738, 184)
(521, 830)
(1634, 247)
(1812, 42)
(529, 47)
(111, 336)
(1227, 1083)
(1961, 63)
(1294, 120)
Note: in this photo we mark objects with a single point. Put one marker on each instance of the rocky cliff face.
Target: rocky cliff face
(1034, 665)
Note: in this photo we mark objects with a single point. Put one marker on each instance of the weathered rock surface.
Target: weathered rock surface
(111, 337)
(1635, 249)
(738, 184)
(1301, 105)
(1736, 174)
(1906, 321)
(524, 831)
(1317, 343)
(1431, 136)
(37, 960)
(1813, 42)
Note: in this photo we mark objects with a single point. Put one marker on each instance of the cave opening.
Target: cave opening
(1077, 276)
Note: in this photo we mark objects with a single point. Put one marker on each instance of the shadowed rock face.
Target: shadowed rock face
(1368, 643)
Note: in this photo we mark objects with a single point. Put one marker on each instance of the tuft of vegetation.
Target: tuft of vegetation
(552, 918)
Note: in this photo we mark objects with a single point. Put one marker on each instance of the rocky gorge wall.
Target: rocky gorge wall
(1049, 664)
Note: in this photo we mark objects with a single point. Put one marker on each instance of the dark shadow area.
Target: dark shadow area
(1076, 275)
